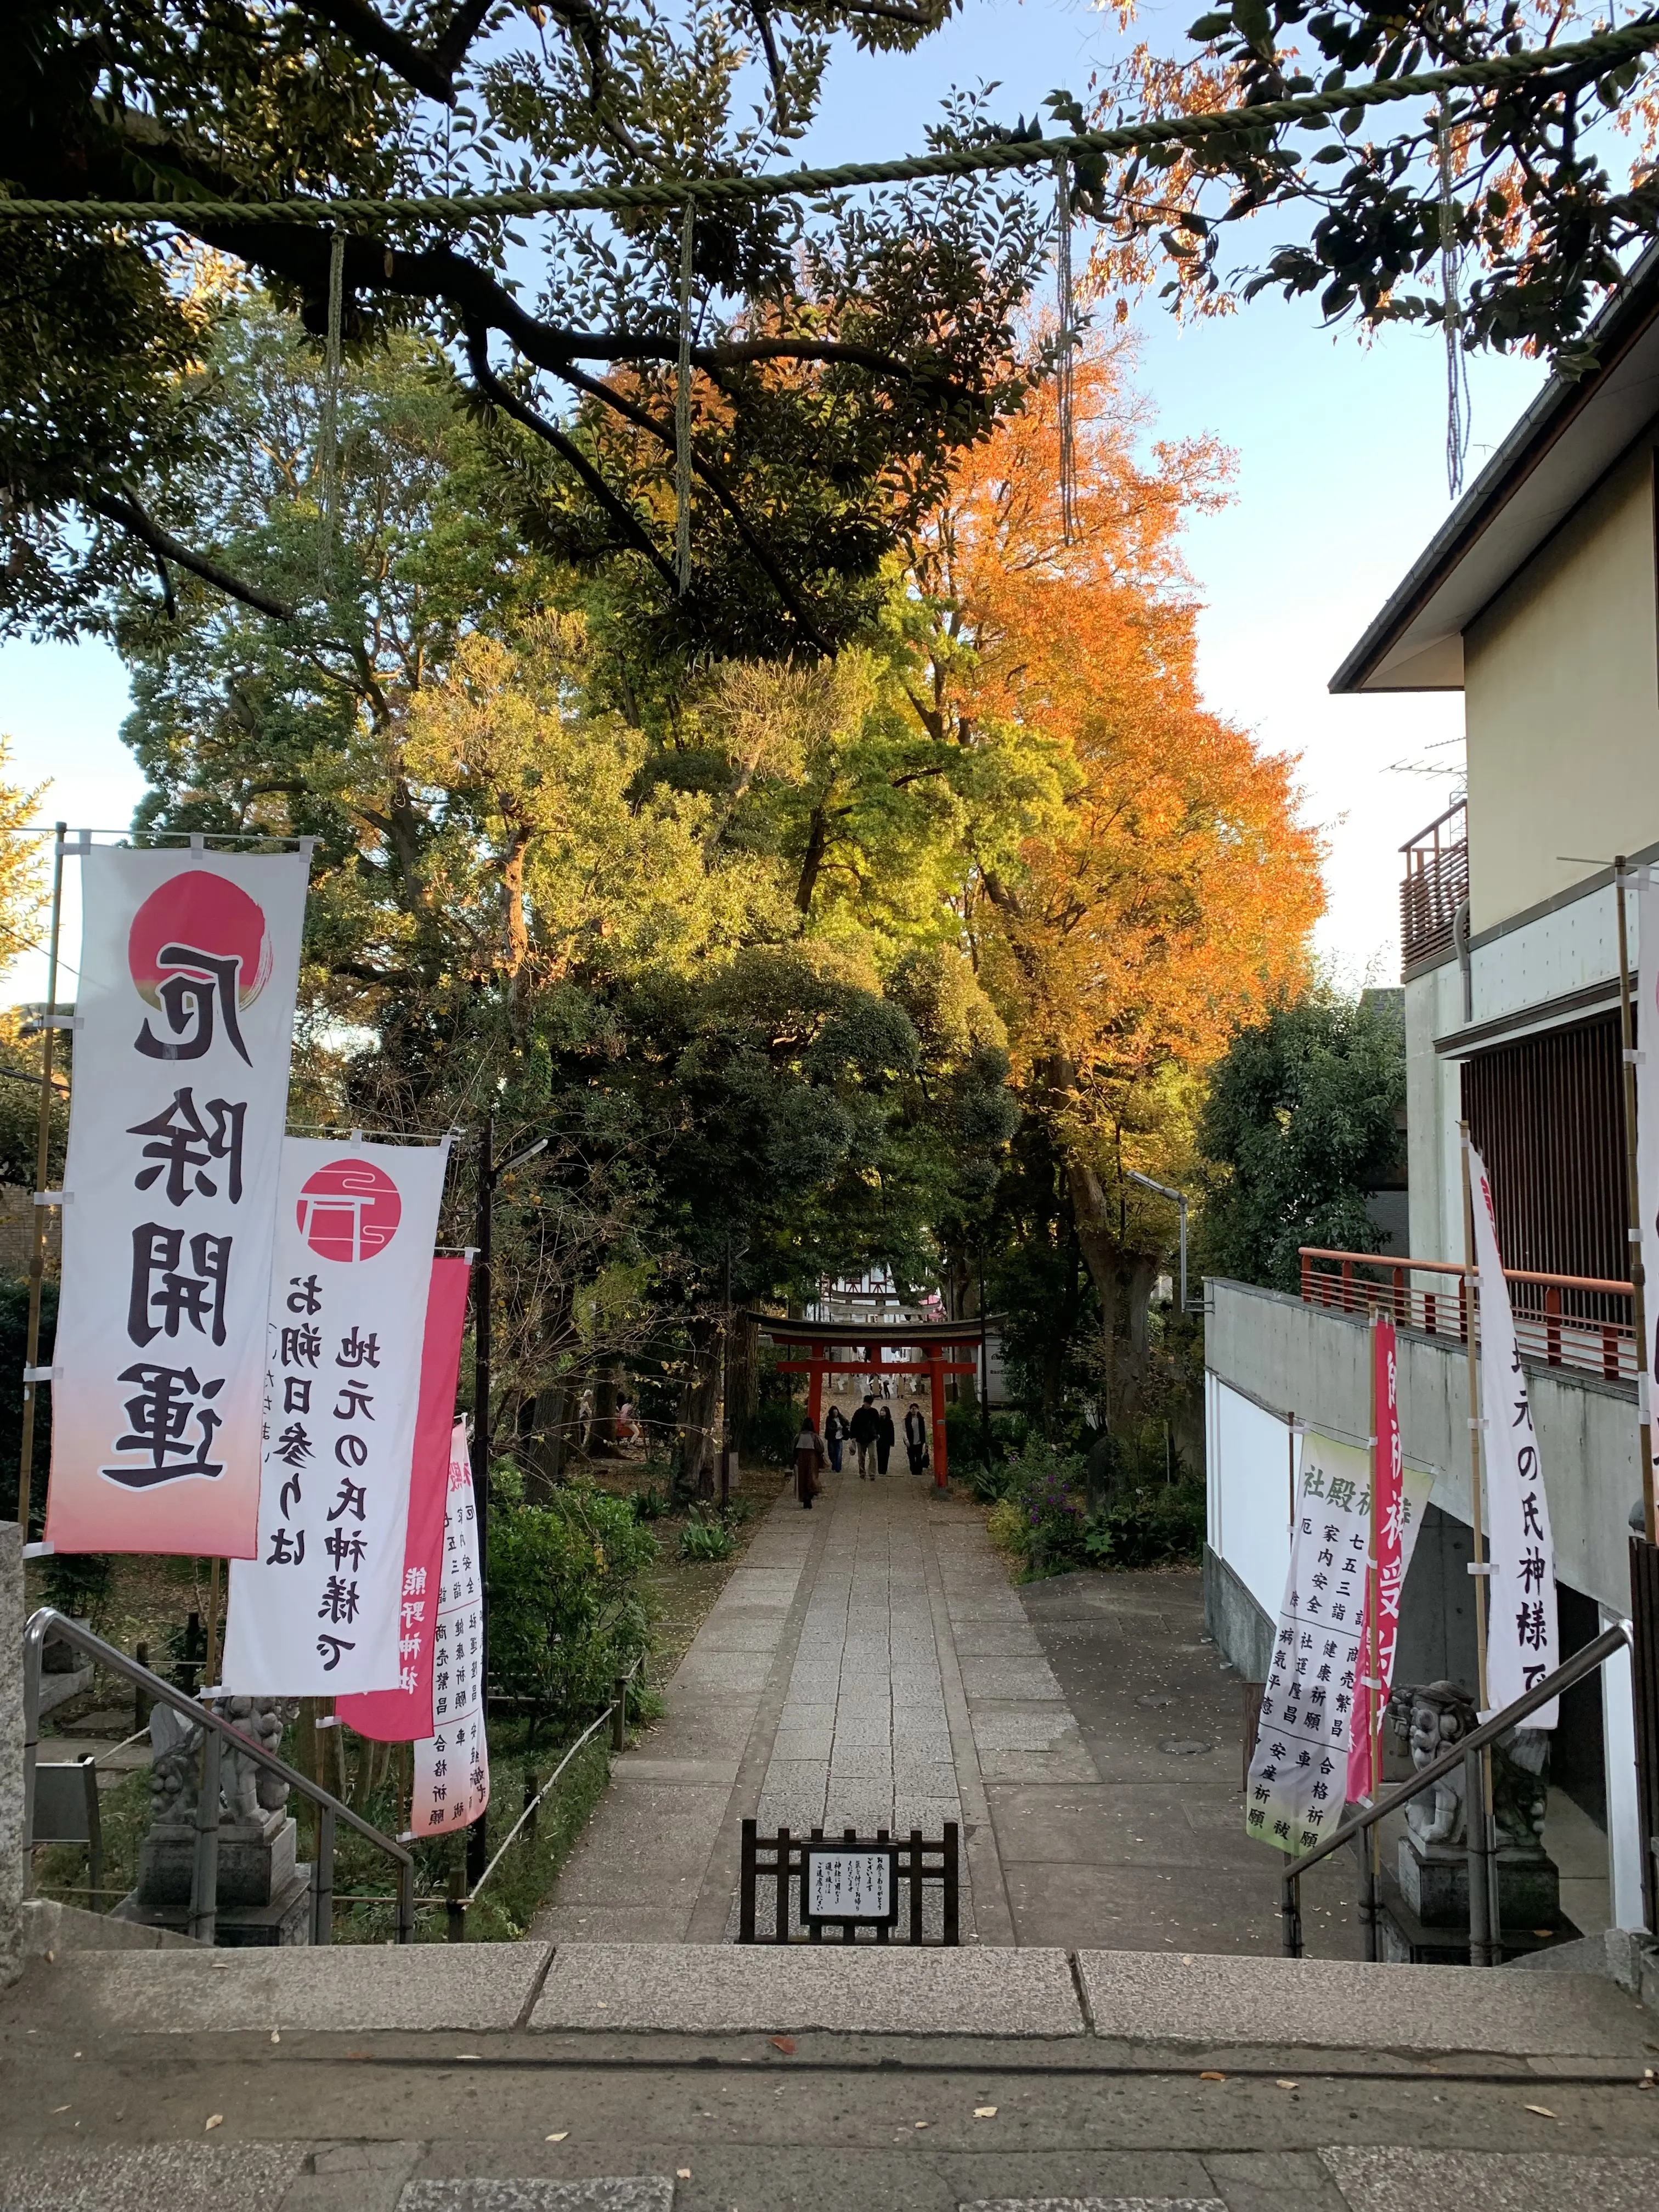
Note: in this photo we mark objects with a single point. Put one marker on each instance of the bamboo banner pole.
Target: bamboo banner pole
(42, 1164)
(1633, 1201)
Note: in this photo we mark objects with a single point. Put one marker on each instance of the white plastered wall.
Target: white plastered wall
(1247, 1463)
(1561, 707)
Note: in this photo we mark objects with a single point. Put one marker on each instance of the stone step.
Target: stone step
(1193, 2000)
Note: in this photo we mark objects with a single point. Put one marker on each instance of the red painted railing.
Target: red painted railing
(1566, 1321)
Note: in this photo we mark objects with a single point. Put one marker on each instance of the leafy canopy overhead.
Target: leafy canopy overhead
(843, 354)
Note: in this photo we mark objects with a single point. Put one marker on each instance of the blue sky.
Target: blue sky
(1340, 480)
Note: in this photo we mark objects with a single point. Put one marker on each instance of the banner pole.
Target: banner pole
(1471, 1280)
(1633, 1199)
(1373, 1702)
(42, 1162)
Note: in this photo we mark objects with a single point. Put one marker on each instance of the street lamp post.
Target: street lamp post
(1163, 1190)
(477, 1847)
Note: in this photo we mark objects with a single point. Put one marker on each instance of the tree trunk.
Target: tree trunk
(699, 1400)
(1123, 1283)
(602, 1429)
(544, 1446)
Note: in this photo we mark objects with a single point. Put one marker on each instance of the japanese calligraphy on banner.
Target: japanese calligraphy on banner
(1522, 1644)
(1298, 1775)
(405, 1714)
(452, 1765)
(188, 967)
(1388, 1566)
(316, 1610)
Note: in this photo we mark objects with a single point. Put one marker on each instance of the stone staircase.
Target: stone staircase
(527, 2078)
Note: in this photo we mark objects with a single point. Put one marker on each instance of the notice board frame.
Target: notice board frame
(919, 1862)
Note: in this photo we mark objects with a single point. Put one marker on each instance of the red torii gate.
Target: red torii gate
(935, 1340)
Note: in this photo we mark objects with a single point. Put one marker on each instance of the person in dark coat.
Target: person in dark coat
(810, 1457)
(884, 1439)
(865, 1427)
(915, 1440)
(835, 1429)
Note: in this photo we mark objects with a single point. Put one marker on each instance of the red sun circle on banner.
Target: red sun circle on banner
(348, 1210)
(203, 912)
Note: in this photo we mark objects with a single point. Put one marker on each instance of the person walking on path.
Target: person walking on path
(915, 1440)
(809, 1457)
(865, 1427)
(834, 1430)
(884, 1439)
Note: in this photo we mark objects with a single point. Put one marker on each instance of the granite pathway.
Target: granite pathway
(870, 1666)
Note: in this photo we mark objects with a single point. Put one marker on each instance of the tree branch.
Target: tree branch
(501, 395)
(127, 514)
(432, 72)
(644, 420)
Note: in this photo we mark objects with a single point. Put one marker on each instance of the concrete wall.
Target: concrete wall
(1295, 1357)
(1286, 1358)
(1561, 706)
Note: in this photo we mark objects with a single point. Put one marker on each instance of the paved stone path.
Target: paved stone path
(869, 1665)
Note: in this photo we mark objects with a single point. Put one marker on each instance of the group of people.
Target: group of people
(871, 1434)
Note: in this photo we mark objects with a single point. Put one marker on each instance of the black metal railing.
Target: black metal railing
(1485, 1935)
(216, 1731)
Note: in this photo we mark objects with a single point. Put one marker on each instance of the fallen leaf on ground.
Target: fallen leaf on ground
(58, 2108)
(560, 2137)
(1212, 2077)
(275, 2035)
(1542, 2111)
(682, 2174)
(785, 2043)
(921, 2124)
(1283, 2084)
(985, 2111)
(214, 2120)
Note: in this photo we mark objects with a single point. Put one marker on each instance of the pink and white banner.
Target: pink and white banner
(405, 1714)
(184, 1016)
(1523, 1645)
(316, 1612)
(452, 1765)
(1388, 1566)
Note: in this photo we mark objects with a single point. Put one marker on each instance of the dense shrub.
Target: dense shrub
(1042, 1516)
(567, 1598)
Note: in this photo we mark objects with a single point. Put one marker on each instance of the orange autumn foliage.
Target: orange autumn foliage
(1172, 894)
(1169, 894)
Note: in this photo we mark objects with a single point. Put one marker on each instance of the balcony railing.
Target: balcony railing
(1564, 1320)
(1436, 883)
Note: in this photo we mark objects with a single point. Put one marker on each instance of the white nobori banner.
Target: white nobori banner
(452, 1765)
(184, 1015)
(315, 1611)
(1521, 1643)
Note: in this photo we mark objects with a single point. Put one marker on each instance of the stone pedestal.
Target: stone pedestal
(257, 1863)
(1424, 1916)
(285, 1920)
(1434, 1880)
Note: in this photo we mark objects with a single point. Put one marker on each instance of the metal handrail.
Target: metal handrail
(1469, 1755)
(47, 1622)
(1604, 1284)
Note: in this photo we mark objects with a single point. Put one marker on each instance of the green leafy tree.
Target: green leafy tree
(842, 352)
(1302, 1122)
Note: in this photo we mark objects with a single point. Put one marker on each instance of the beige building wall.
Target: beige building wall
(1561, 703)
